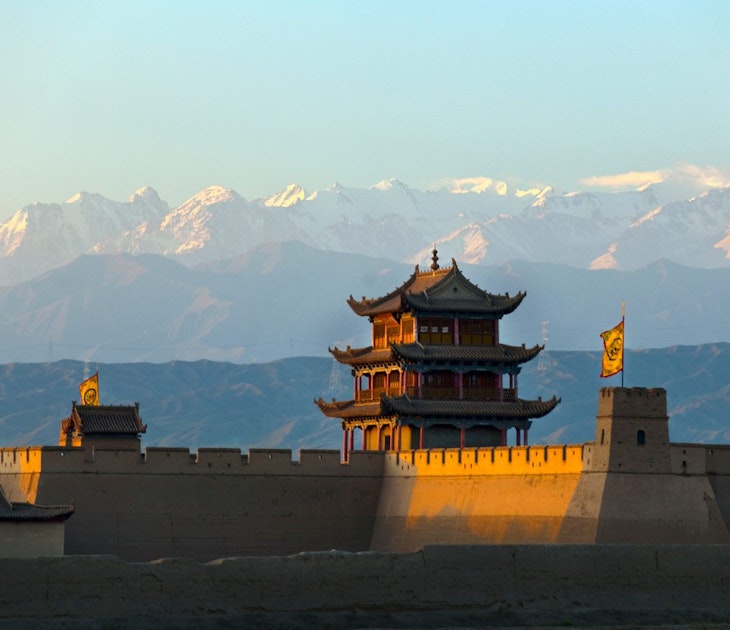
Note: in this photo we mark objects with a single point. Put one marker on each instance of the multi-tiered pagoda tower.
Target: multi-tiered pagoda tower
(436, 374)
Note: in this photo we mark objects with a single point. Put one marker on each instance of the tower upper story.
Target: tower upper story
(424, 309)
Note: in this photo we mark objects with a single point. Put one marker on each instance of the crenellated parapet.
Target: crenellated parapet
(182, 461)
(491, 461)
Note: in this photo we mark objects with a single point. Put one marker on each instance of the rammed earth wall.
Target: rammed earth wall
(456, 585)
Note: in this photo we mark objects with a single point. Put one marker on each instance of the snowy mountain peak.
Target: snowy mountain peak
(387, 184)
(212, 195)
(79, 197)
(537, 192)
(287, 197)
(146, 192)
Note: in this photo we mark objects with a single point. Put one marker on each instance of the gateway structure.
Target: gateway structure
(436, 374)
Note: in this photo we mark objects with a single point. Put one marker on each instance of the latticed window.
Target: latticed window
(436, 330)
(484, 385)
(477, 332)
(439, 384)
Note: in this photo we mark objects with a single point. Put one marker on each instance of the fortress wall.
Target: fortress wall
(20, 470)
(626, 582)
(23, 539)
(660, 509)
(643, 508)
(486, 496)
(718, 468)
(688, 459)
(168, 502)
(718, 459)
(721, 488)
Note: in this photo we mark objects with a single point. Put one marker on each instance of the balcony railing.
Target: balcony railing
(371, 395)
(469, 393)
(432, 392)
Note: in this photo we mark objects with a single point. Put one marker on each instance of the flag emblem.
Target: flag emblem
(613, 351)
(89, 390)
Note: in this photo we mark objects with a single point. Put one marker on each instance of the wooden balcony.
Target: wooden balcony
(470, 393)
(372, 395)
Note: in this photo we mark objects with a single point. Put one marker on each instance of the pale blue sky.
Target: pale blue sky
(107, 96)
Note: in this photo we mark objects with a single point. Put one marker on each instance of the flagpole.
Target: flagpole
(623, 344)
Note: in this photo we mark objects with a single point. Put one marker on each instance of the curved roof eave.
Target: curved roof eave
(521, 409)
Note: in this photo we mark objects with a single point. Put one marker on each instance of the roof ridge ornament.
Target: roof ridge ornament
(434, 259)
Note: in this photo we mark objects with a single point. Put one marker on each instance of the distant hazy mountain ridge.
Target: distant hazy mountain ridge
(269, 405)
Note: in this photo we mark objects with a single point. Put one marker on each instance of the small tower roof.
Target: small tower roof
(104, 419)
(440, 289)
(23, 511)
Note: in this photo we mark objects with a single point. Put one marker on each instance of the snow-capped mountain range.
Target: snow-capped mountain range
(223, 278)
(474, 220)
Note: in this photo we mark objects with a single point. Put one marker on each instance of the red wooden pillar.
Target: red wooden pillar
(352, 439)
(504, 436)
(344, 445)
(462, 436)
(363, 438)
(518, 437)
(420, 437)
(525, 440)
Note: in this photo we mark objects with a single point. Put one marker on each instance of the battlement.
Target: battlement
(181, 461)
(499, 460)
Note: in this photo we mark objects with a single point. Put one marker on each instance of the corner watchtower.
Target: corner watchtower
(632, 431)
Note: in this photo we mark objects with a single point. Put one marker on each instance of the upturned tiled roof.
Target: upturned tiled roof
(500, 353)
(348, 409)
(12, 511)
(438, 408)
(415, 352)
(441, 290)
(362, 356)
(405, 406)
(105, 419)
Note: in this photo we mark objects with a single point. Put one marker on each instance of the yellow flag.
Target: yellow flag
(89, 390)
(613, 351)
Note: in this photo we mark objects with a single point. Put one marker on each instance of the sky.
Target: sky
(110, 96)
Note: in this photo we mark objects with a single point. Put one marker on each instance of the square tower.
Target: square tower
(632, 431)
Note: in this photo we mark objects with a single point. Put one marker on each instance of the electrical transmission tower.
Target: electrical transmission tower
(335, 382)
(543, 360)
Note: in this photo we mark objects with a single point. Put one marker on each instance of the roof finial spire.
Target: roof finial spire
(434, 259)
